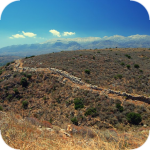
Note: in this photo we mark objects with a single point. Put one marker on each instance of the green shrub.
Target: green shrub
(1, 108)
(136, 66)
(119, 107)
(74, 120)
(128, 66)
(141, 71)
(118, 76)
(128, 56)
(23, 73)
(9, 97)
(8, 64)
(91, 111)
(78, 103)
(122, 64)
(1, 72)
(134, 118)
(94, 57)
(25, 104)
(51, 120)
(24, 82)
(29, 76)
(16, 91)
(87, 71)
(14, 75)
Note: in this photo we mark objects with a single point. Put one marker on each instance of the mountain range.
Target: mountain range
(67, 44)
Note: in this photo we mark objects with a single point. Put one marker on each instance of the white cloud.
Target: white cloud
(29, 34)
(11, 37)
(55, 32)
(68, 33)
(17, 36)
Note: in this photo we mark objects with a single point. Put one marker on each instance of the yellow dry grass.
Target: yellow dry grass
(24, 136)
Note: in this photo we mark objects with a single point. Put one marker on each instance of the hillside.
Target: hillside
(94, 89)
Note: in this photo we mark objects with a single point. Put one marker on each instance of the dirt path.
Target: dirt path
(78, 83)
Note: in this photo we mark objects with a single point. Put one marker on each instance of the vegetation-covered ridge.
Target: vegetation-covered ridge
(61, 97)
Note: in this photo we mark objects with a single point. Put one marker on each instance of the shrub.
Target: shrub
(122, 64)
(118, 76)
(29, 76)
(87, 71)
(25, 104)
(134, 118)
(74, 121)
(14, 75)
(16, 91)
(91, 111)
(141, 71)
(128, 56)
(8, 64)
(136, 66)
(1, 108)
(24, 82)
(9, 97)
(78, 103)
(119, 107)
(128, 66)
(0, 72)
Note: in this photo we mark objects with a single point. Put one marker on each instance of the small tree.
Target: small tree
(134, 118)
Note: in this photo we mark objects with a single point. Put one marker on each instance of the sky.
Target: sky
(36, 21)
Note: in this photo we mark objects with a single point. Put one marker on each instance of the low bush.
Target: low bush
(9, 97)
(134, 118)
(119, 107)
(24, 82)
(78, 103)
(91, 111)
(128, 56)
(29, 76)
(74, 121)
(136, 66)
(25, 104)
(87, 71)
(16, 91)
(118, 76)
(122, 64)
(8, 64)
(128, 66)
(1, 108)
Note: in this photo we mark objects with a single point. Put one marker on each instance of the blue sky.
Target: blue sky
(36, 21)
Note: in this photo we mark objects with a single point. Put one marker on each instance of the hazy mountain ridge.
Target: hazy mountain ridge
(56, 45)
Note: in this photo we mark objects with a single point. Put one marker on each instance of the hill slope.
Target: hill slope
(74, 88)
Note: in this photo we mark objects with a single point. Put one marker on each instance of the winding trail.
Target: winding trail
(76, 82)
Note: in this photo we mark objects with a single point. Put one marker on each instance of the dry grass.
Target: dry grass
(25, 136)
